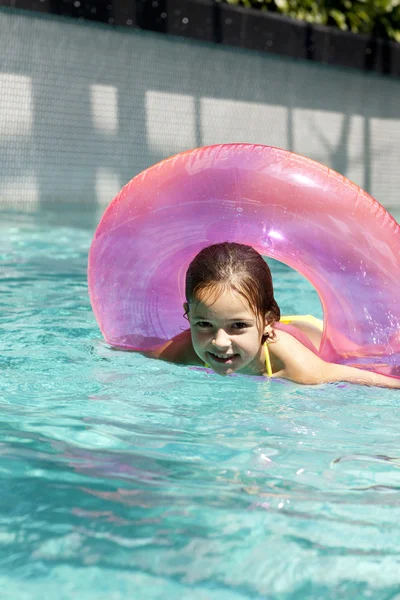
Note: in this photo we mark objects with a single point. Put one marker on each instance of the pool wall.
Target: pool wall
(84, 107)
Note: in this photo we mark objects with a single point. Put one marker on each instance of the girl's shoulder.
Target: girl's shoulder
(306, 334)
(178, 350)
(298, 363)
(294, 357)
(284, 343)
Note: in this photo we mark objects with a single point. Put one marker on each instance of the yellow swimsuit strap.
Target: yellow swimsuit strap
(268, 367)
(287, 319)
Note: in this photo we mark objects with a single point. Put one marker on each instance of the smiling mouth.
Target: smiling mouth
(223, 359)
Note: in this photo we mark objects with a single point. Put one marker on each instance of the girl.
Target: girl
(235, 328)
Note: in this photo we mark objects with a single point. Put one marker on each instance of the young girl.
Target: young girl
(235, 328)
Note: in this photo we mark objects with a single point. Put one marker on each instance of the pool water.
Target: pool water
(123, 477)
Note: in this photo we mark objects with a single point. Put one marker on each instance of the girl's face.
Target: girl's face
(226, 333)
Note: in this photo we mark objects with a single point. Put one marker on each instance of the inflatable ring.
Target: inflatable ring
(287, 207)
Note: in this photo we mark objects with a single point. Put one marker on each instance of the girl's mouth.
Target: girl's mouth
(222, 359)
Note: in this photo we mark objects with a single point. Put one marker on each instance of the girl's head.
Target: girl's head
(230, 305)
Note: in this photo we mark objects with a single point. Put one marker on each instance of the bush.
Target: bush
(380, 18)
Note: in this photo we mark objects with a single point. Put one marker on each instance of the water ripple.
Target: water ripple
(124, 477)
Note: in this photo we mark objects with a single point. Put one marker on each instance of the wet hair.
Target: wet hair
(236, 267)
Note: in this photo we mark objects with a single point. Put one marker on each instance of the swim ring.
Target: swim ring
(287, 207)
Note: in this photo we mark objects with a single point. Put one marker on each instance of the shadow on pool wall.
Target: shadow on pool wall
(85, 107)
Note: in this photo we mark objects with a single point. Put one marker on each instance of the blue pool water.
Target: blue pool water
(123, 477)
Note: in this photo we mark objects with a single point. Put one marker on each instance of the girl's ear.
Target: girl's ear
(268, 330)
(268, 327)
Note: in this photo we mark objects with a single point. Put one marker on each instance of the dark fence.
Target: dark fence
(217, 22)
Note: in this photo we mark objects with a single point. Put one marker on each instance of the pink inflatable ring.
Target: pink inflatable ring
(285, 206)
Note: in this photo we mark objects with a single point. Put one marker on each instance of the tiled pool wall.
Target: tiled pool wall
(85, 107)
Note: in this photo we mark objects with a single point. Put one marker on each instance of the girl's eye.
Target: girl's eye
(239, 325)
(203, 324)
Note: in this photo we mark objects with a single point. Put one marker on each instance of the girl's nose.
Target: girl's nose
(221, 339)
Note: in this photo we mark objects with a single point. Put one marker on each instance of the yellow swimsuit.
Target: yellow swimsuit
(268, 367)
(286, 321)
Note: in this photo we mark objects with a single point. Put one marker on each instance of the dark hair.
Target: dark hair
(238, 267)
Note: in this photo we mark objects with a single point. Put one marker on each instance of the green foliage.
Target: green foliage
(380, 18)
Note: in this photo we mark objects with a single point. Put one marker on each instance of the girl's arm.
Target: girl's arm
(303, 366)
(334, 372)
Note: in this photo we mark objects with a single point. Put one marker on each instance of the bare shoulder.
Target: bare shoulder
(311, 330)
(296, 362)
(284, 343)
(177, 350)
(292, 360)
